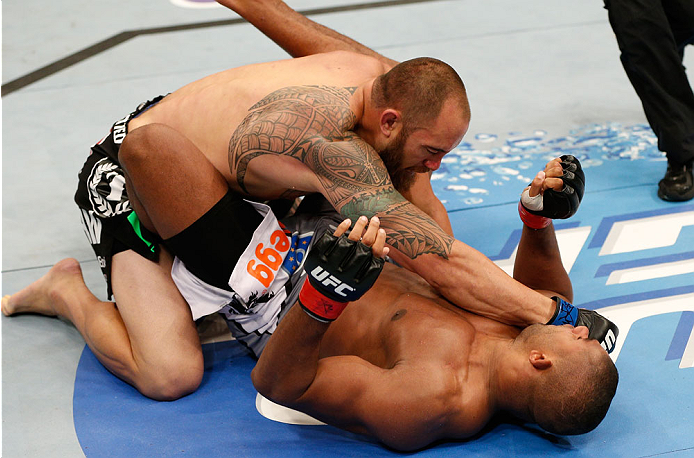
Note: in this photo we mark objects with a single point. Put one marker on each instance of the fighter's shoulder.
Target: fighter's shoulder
(455, 406)
(468, 408)
(364, 61)
(467, 420)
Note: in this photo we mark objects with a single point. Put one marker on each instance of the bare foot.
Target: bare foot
(41, 296)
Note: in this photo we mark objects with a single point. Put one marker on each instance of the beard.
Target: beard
(392, 157)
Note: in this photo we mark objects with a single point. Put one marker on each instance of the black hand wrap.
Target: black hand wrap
(599, 327)
(339, 271)
(564, 204)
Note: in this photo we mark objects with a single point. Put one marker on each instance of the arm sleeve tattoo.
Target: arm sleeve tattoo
(357, 183)
(313, 125)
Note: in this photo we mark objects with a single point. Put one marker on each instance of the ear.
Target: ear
(390, 122)
(539, 360)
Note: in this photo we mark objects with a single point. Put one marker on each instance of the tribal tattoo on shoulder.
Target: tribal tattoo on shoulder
(288, 122)
(313, 124)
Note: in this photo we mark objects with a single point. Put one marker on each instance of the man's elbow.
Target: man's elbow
(273, 388)
(262, 383)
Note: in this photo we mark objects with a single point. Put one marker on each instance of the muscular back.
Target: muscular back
(286, 128)
(209, 111)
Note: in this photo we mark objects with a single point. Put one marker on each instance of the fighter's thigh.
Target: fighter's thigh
(168, 178)
(162, 332)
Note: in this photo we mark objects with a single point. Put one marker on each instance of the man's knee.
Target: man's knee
(171, 383)
(144, 144)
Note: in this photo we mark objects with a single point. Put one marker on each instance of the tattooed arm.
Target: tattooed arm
(308, 129)
(422, 196)
(356, 182)
(294, 32)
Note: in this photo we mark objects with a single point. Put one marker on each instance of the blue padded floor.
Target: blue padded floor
(112, 419)
(655, 357)
(543, 78)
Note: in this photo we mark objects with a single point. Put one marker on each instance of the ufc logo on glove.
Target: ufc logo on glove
(324, 277)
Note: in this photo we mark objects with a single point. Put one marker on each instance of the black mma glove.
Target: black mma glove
(556, 204)
(339, 271)
(599, 327)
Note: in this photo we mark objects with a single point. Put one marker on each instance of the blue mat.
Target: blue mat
(652, 413)
(490, 170)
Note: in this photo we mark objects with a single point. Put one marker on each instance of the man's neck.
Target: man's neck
(367, 120)
(506, 372)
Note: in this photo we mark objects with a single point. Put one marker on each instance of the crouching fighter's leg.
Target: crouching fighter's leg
(148, 339)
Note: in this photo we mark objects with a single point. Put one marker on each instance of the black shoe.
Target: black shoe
(677, 185)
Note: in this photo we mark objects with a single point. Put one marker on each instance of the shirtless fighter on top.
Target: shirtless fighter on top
(351, 126)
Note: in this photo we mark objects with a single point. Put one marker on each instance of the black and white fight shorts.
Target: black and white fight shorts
(108, 219)
(251, 289)
(112, 226)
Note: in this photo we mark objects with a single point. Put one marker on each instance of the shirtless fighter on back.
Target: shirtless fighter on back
(404, 365)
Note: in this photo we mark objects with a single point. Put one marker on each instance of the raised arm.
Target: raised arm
(538, 263)
(295, 33)
(555, 192)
